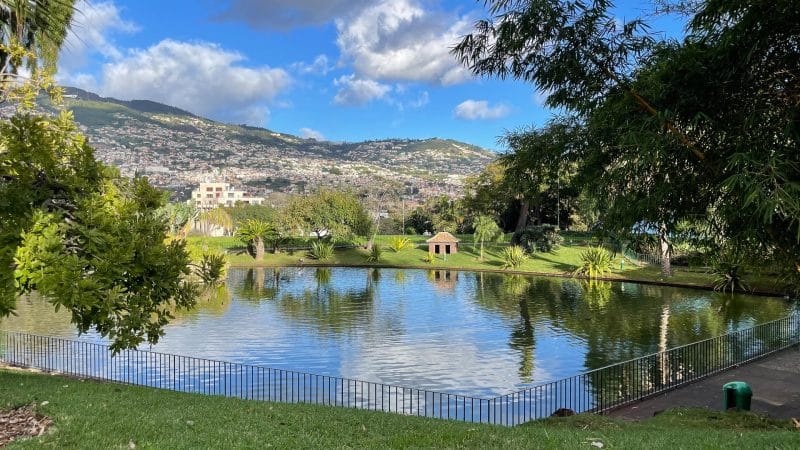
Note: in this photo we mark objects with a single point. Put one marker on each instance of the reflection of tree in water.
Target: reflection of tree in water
(597, 293)
(326, 306)
(257, 284)
(213, 301)
(509, 295)
(35, 315)
(617, 321)
(400, 277)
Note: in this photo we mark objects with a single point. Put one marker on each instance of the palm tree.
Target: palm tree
(220, 218)
(38, 26)
(486, 229)
(254, 232)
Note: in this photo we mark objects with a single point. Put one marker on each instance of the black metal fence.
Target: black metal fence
(595, 391)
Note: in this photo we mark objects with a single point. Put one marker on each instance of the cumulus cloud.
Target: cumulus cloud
(357, 91)
(308, 133)
(91, 31)
(399, 40)
(200, 77)
(286, 14)
(480, 110)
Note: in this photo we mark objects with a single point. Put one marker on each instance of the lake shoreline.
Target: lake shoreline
(266, 265)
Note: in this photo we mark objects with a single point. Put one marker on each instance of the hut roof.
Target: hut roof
(443, 237)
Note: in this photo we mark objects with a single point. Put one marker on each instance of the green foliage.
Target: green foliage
(429, 258)
(212, 268)
(486, 230)
(705, 127)
(513, 257)
(374, 253)
(329, 213)
(179, 217)
(218, 217)
(542, 238)
(254, 233)
(321, 250)
(84, 238)
(727, 268)
(243, 212)
(398, 244)
(595, 263)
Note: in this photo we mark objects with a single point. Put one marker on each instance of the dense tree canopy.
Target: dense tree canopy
(71, 228)
(328, 213)
(704, 129)
(86, 239)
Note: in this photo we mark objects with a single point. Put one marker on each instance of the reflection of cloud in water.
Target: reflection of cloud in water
(441, 363)
(484, 334)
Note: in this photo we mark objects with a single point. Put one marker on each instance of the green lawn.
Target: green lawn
(560, 262)
(103, 415)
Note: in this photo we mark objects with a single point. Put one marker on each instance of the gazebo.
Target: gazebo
(443, 243)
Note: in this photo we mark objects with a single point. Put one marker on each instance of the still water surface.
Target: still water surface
(476, 334)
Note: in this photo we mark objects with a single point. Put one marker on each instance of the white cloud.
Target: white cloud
(423, 99)
(480, 110)
(91, 31)
(398, 40)
(320, 66)
(202, 78)
(285, 14)
(308, 133)
(356, 91)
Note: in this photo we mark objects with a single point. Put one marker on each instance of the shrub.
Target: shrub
(513, 257)
(595, 262)
(541, 238)
(321, 250)
(398, 244)
(727, 268)
(212, 268)
(374, 253)
(430, 258)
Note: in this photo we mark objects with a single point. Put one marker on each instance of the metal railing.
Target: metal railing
(595, 391)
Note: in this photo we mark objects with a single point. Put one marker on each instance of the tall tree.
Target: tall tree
(71, 228)
(706, 127)
(537, 162)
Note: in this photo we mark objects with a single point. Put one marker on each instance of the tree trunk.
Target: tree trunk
(522, 220)
(259, 244)
(666, 253)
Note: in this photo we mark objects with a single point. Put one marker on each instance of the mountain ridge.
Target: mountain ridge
(177, 149)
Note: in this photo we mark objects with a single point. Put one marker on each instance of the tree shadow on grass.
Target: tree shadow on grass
(558, 265)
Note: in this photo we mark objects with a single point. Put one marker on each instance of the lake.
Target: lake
(478, 334)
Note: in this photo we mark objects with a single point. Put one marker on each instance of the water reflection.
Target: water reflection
(474, 333)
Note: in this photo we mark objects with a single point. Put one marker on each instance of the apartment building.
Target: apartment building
(210, 195)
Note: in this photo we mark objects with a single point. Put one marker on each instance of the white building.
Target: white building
(210, 195)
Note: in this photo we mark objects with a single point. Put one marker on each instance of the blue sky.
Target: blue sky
(342, 70)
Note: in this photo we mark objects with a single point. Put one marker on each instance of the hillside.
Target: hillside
(177, 149)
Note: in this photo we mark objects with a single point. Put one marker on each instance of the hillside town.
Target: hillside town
(177, 152)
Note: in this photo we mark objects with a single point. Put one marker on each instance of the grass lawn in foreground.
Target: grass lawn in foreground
(90, 415)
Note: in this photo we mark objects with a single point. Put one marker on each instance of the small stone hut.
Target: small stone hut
(443, 243)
